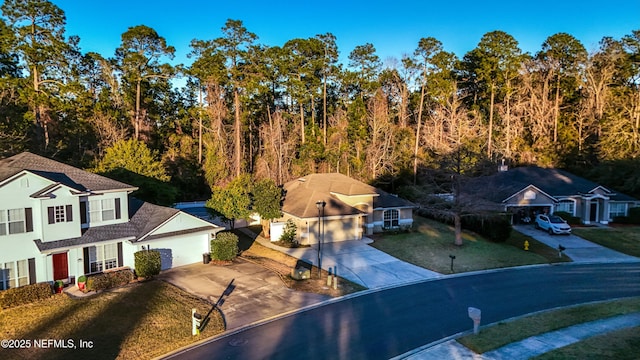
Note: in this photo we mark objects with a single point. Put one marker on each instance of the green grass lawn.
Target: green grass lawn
(623, 239)
(504, 333)
(138, 321)
(430, 243)
(620, 345)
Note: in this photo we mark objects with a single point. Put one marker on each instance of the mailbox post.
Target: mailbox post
(475, 315)
(196, 319)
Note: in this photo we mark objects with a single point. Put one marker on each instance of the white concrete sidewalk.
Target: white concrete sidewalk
(532, 346)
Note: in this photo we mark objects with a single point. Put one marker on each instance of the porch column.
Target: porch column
(587, 212)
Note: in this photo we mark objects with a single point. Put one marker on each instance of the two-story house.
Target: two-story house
(58, 222)
(339, 208)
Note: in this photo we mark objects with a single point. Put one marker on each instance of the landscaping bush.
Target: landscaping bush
(109, 280)
(496, 228)
(224, 247)
(570, 219)
(289, 234)
(147, 263)
(25, 294)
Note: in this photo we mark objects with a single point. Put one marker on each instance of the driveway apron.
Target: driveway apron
(576, 248)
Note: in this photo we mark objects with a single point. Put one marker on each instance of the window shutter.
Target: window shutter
(69, 212)
(28, 219)
(85, 252)
(52, 218)
(83, 212)
(32, 271)
(118, 214)
(120, 254)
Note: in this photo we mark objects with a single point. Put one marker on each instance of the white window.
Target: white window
(617, 209)
(566, 206)
(391, 218)
(529, 195)
(3, 222)
(59, 214)
(102, 210)
(16, 221)
(14, 274)
(103, 257)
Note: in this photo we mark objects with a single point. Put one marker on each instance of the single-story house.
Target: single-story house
(58, 222)
(351, 209)
(529, 190)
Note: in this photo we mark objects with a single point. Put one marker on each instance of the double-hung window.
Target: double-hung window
(104, 210)
(15, 221)
(391, 218)
(14, 274)
(103, 257)
(617, 209)
(566, 206)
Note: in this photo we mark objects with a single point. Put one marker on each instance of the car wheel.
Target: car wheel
(550, 231)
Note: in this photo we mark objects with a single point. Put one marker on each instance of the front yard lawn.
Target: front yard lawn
(138, 321)
(503, 333)
(430, 243)
(625, 239)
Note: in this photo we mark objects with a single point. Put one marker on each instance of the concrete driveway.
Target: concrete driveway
(360, 263)
(577, 248)
(258, 294)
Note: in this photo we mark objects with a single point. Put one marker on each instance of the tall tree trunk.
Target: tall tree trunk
(457, 224)
(489, 144)
(324, 111)
(137, 118)
(556, 110)
(417, 144)
(237, 133)
(200, 125)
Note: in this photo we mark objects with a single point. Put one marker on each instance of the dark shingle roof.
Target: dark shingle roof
(303, 193)
(555, 182)
(144, 217)
(58, 172)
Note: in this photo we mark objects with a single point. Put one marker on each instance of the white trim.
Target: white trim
(530, 186)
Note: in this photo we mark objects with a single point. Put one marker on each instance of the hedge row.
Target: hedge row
(493, 227)
(109, 280)
(25, 294)
(224, 247)
(568, 217)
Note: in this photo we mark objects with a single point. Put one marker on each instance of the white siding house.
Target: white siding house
(58, 222)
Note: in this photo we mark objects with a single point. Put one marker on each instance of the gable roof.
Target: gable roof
(303, 193)
(144, 218)
(57, 172)
(554, 182)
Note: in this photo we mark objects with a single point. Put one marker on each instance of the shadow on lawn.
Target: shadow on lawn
(103, 332)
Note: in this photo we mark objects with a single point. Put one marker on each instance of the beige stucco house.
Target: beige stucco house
(352, 209)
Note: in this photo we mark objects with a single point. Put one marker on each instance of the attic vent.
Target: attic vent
(302, 179)
(24, 183)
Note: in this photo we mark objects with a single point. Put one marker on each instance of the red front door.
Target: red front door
(60, 267)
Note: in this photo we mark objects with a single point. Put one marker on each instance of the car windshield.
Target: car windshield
(556, 219)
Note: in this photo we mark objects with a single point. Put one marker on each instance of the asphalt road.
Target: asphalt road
(384, 324)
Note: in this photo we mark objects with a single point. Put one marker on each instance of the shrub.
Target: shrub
(224, 247)
(25, 294)
(496, 228)
(109, 280)
(289, 234)
(634, 215)
(147, 263)
(82, 278)
(570, 219)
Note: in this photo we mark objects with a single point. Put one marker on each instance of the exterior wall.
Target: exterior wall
(405, 218)
(180, 222)
(64, 229)
(362, 203)
(523, 198)
(124, 207)
(179, 250)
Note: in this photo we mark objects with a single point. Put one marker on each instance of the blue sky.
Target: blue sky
(393, 27)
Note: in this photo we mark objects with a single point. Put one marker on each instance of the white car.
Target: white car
(552, 224)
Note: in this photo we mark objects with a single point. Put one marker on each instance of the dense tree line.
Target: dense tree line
(278, 112)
